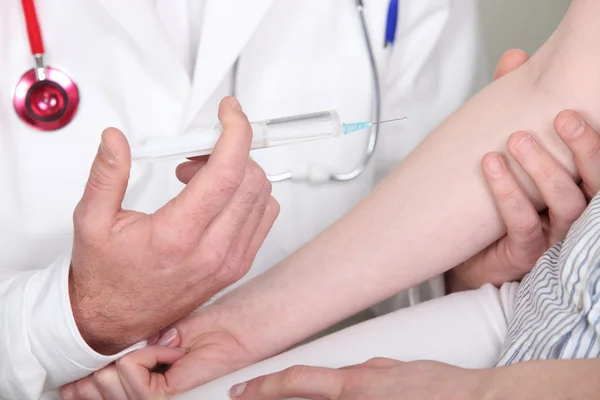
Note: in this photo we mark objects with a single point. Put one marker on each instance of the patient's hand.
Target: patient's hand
(377, 379)
(530, 234)
(131, 377)
(198, 351)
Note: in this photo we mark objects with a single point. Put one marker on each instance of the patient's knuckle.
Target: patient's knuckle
(568, 200)
(528, 225)
(123, 364)
(106, 377)
(573, 209)
(376, 361)
(509, 193)
(590, 189)
(547, 171)
(593, 152)
(67, 392)
(85, 389)
(295, 376)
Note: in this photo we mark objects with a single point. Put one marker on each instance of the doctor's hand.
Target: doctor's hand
(134, 274)
(530, 234)
(377, 379)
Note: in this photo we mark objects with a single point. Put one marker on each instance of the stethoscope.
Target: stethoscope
(45, 98)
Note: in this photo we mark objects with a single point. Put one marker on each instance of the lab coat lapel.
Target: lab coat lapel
(138, 20)
(227, 27)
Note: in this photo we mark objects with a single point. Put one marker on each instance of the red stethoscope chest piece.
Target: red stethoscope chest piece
(48, 104)
(45, 98)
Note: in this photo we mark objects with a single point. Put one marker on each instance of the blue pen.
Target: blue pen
(392, 23)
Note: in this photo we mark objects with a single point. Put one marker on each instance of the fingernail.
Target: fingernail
(238, 390)
(573, 126)
(153, 339)
(182, 350)
(234, 103)
(495, 167)
(168, 338)
(107, 152)
(526, 145)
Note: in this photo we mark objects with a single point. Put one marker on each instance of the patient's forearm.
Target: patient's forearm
(433, 211)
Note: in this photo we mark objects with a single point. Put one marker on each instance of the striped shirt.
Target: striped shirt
(557, 311)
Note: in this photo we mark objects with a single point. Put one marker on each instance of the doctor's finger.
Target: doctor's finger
(304, 382)
(226, 227)
(525, 240)
(563, 197)
(236, 259)
(233, 147)
(209, 190)
(584, 143)
(264, 227)
(106, 185)
(510, 60)
(186, 171)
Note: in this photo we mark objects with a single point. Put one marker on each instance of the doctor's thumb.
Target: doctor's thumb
(107, 182)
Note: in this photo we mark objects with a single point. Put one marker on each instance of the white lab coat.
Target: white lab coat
(295, 57)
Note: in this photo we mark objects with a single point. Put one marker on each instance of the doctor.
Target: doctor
(159, 68)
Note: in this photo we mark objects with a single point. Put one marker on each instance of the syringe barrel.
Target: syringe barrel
(294, 129)
(320, 125)
(267, 133)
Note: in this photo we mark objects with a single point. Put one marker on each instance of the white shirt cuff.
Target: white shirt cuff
(54, 337)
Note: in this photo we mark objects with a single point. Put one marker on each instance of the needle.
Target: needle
(389, 120)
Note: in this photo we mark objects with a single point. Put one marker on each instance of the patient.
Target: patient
(432, 213)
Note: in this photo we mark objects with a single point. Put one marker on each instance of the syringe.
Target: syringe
(266, 133)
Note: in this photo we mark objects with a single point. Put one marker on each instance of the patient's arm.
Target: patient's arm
(434, 211)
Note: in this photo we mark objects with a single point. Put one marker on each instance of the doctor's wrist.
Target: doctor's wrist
(103, 330)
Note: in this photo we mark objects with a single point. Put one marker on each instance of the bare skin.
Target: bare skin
(437, 196)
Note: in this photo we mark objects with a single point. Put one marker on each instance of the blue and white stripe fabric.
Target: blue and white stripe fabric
(557, 311)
